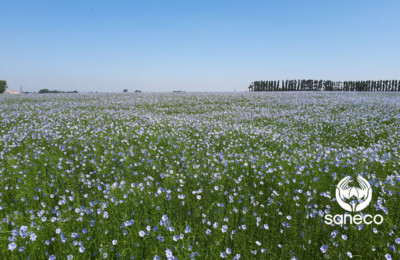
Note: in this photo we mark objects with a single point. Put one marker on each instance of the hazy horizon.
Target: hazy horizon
(208, 46)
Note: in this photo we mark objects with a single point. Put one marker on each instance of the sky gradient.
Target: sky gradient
(108, 46)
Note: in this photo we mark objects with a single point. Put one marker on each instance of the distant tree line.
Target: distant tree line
(45, 91)
(325, 85)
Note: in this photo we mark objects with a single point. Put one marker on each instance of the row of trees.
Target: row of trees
(3, 86)
(46, 91)
(325, 85)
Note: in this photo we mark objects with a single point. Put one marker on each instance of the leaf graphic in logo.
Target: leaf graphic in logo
(345, 192)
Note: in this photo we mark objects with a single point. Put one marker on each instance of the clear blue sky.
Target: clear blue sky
(189, 45)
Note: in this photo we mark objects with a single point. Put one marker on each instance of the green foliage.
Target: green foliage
(125, 90)
(45, 90)
(3, 86)
(326, 85)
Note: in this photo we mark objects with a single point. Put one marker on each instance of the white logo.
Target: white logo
(353, 199)
(363, 195)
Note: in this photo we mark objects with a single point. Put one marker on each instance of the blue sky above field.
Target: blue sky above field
(108, 46)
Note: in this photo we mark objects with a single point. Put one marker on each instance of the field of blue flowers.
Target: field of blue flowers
(196, 176)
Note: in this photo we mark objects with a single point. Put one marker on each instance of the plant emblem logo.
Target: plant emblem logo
(362, 194)
(353, 199)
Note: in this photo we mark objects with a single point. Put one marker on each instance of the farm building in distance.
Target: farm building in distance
(12, 92)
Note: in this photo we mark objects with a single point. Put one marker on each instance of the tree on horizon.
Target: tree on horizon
(3, 86)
